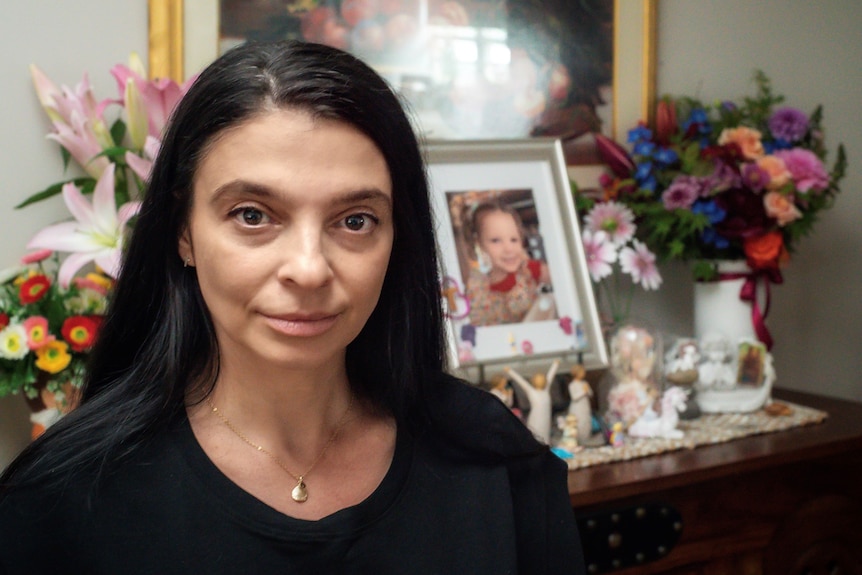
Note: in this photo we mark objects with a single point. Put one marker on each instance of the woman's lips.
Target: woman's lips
(302, 325)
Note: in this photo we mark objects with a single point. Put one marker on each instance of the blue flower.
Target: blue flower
(711, 237)
(665, 157)
(699, 120)
(772, 146)
(639, 134)
(711, 210)
(643, 171)
(644, 148)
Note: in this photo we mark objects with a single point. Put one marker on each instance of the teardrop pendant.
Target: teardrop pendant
(299, 493)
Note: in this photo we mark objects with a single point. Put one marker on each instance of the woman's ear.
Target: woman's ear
(184, 248)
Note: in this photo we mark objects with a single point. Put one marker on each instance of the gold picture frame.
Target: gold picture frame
(183, 37)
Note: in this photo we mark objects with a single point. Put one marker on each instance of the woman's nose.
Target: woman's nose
(305, 262)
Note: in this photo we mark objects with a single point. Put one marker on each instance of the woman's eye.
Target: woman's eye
(249, 216)
(359, 222)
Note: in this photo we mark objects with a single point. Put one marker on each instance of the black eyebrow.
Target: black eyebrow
(265, 192)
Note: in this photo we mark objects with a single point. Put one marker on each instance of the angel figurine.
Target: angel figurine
(539, 395)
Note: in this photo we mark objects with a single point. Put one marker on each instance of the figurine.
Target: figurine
(717, 369)
(652, 424)
(500, 388)
(538, 393)
(579, 405)
(569, 426)
(617, 437)
(682, 360)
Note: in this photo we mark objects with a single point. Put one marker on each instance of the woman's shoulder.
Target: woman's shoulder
(469, 418)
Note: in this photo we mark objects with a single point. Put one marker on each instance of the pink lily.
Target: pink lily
(143, 164)
(159, 96)
(63, 104)
(95, 236)
(81, 141)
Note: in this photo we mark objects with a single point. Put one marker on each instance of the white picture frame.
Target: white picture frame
(461, 172)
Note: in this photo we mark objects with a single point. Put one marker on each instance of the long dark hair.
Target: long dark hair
(158, 340)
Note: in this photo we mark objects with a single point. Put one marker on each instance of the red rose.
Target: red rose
(4, 320)
(766, 251)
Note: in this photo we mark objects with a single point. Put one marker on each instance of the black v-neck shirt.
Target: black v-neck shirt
(171, 510)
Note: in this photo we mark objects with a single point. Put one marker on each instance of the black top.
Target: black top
(170, 510)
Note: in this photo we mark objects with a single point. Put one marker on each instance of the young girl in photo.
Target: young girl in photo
(508, 286)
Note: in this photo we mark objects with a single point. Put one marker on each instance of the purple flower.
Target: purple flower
(754, 177)
(788, 124)
(805, 168)
(723, 178)
(682, 192)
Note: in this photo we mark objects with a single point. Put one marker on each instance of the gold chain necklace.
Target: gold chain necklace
(300, 492)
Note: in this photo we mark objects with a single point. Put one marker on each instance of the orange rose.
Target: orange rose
(781, 208)
(766, 251)
(779, 175)
(747, 139)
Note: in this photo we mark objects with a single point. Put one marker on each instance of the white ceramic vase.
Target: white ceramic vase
(717, 307)
(718, 310)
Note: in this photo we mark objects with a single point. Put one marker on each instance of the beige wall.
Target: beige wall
(708, 48)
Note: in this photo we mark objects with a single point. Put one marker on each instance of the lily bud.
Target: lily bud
(665, 121)
(136, 111)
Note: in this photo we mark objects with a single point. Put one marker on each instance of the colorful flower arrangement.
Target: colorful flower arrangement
(47, 329)
(51, 305)
(723, 182)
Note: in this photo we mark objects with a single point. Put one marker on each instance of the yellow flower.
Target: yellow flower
(100, 279)
(53, 357)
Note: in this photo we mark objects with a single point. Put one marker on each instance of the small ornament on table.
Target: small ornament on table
(634, 373)
(652, 424)
(581, 393)
(681, 368)
(681, 362)
(538, 393)
(617, 437)
(568, 444)
(717, 368)
(500, 388)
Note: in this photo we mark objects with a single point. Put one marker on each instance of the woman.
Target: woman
(268, 390)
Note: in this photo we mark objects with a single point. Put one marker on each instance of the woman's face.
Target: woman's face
(500, 237)
(290, 233)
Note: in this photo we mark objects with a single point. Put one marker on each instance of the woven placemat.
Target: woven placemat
(707, 429)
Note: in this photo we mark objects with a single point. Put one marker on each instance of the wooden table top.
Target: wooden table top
(841, 432)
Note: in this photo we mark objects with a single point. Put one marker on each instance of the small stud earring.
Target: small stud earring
(186, 262)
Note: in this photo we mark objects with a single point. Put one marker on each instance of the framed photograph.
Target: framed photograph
(470, 69)
(516, 284)
(751, 363)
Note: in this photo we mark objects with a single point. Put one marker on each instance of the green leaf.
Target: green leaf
(54, 190)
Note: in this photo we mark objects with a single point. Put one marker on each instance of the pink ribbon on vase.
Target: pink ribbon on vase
(748, 293)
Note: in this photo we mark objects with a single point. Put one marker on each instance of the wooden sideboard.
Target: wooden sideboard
(785, 503)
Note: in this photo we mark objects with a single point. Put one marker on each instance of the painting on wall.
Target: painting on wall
(469, 69)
